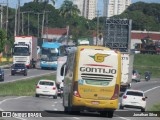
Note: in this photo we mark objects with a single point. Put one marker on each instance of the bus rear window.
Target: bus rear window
(97, 82)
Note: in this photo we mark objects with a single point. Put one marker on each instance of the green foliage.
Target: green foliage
(147, 62)
(23, 87)
(2, 40)
(143, 15)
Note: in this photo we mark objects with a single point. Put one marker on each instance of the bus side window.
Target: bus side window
(63, 70)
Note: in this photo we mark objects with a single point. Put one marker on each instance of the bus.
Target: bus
(49, 55)
(92, 80)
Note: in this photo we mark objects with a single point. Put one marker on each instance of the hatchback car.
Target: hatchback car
(1, 75)
(19, 68)
(133, 99)
(46, 88)
(136, 77)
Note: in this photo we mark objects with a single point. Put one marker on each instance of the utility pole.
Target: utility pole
(18, 17)
(7, 20)
(44, 12)
(97, 27)
(38, 23)
(43, 23)
(15, 27)
(1, 16)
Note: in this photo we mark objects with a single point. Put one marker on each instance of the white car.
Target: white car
(133, 99)
(46, 88)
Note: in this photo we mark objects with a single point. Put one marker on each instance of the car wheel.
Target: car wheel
(25, 74)
(37, 95)
(12, 73)
(121, 107)
(55, 97)
(142, 109)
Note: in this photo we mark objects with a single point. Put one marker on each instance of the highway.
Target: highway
(31, 73)
(54, 106)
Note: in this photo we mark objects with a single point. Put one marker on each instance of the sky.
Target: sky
(13, 3)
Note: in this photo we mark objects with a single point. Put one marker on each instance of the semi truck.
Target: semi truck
(25, 50)
(127, 67)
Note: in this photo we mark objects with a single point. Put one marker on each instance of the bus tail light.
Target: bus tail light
(116, 92)
(75, 89)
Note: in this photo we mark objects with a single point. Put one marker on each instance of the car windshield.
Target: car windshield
(134, 93)
(46, 83)
(19, 65)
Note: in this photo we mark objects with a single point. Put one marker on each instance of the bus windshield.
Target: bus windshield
(49, 54)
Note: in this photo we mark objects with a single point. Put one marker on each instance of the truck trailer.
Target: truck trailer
(25, 50)
(127, 67)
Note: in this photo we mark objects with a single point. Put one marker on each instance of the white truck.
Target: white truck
(127, 67)
(25, 50)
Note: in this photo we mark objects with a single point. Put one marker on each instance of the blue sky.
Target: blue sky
(13, 3)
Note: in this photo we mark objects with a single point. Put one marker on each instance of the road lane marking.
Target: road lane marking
(76, 118)
(151, 89)
(55, 102)
(27, 77)
(53, 105)
(11, 99)
(122, 117)
(55, 109)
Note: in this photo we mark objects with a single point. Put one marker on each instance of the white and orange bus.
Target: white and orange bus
(92, 80)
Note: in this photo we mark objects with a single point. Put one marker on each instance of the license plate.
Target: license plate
(95, 102)
(45, 91)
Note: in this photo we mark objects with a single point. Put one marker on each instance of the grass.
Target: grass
(155, 107)
(5, 63)
(147, 62)
(23, 87)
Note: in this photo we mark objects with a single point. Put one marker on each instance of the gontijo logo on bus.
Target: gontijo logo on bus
(99, 57)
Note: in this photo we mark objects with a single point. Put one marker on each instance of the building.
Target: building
(87, 8)
(136, 37)
(115, 7)
(55, 34)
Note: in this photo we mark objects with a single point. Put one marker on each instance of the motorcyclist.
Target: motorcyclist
(147, 75)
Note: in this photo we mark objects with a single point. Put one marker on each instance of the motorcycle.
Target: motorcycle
(60, 92)
(147, 78)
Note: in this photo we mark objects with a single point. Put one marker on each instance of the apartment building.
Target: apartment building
(115, 7)
(87, 8)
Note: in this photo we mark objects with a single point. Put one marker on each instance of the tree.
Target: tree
(68, 9)
(2, 40)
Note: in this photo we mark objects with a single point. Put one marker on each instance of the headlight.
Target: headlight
(0, 74)
(12, 69)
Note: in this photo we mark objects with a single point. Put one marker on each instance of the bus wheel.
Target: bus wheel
(103, 113)
(66, 110)
(110, 114)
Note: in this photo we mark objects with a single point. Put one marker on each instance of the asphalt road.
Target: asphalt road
(31, 73)
(54, 106)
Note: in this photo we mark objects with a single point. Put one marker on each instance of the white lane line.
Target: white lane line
(76, 118)
(28, 77)
(53, 105)
(12, 99)
(151, 89)
(122, 117)
(55, 109)
(55, 102)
